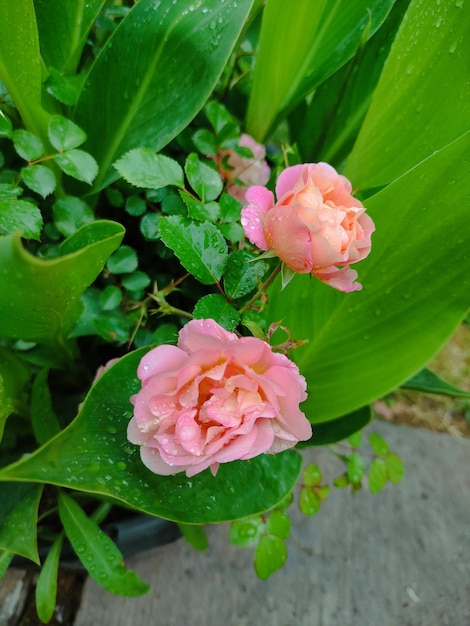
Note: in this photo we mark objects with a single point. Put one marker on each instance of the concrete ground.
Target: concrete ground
(398, 558)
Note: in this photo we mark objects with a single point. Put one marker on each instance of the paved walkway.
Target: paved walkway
(398, 558)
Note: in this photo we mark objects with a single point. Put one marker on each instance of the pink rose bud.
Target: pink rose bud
(215, 398)
(244, 171)
(315, 227)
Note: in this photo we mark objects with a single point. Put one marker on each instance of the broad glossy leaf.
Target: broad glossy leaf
(43, 418)
(416, 291)
(326, 35)
(18, 519)
(98, 553)
(199, 246)
(94, 455)
(20, 62)
(63, 30)
(324, 434)
(39, 298)
(146, 86)
(422, 102)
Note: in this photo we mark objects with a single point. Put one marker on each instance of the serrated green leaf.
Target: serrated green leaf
(64, 134)
(70, 462)
(126, 101)
(136, 206)
(205, 141)
(97, 552)
(110, 298)
(143, 168)
(39, 178)
(356, 467)
(71, 213)
(246, 532)
(395, 468)
(309, 502)
(200, 247)
(43, 301)
(65, 89)
(429, 382)
(20, 215)
(216, 307)
(136, 281)
(149, 226)
(378, 445)
(270, 555)
(242, 275)
(204, 179)
(123, 261)
(78, 164)
(197, 210)
(230, 208)
(232, 231)
(46, 586)
(312, 476)
(378, 475)
(8, 191)
(278, 524)
(27, 145)
(18, 519)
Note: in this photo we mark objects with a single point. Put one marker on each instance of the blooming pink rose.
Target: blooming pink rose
(315, 227)
(215, 398)
(244, 171)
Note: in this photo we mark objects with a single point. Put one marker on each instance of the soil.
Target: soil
(435, 412)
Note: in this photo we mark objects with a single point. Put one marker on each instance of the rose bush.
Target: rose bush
(215, 398)
(316, 226)
(240, 172)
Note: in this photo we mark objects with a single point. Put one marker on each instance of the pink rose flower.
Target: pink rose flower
(244, 171)
(315, 227)
(215, 398)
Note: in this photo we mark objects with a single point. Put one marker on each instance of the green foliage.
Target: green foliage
(429, 382)
(97, 552)
(327, 35)
(216, 307)
(94, 455)
(195, 536)
(143, 168)
(20, 215)
(349, 335)
(46, 586)
(42, 312)
(18, 519)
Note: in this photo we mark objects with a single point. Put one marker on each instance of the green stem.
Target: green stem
(262, 289)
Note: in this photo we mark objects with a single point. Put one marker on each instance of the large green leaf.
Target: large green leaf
(39, 298)
(94, 455)
(416, 291)
(14, 375)
(302, 46)
(20, 62)
(63, 29)
(422, 101)
(154, 74)
(18, 519)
